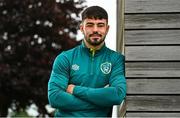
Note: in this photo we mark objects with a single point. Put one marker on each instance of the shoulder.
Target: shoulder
(117, 60)
(68, 53)
(65, 57)
(114, 55)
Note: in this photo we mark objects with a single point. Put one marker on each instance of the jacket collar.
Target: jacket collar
(97, 52)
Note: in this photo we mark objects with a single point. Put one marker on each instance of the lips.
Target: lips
(95, 35)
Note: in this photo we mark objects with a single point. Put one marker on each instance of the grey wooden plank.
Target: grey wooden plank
(150, 37)
(146, 6)
(145, 53)
(152, 115)
(153, 86)
(145, 21)
(151, 69)
(153, 103)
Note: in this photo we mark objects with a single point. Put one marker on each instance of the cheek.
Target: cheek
(103, 32)
(106, 31)
(87, 32)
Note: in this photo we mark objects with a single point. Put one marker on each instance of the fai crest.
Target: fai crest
(106, 67)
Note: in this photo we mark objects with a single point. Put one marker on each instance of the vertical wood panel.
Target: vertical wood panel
(152, 50)
(152, 37)
(153, 69)
(153, 86)
(146, 53)
(150, 6)
(152, 21)
(152, 115)
(153, 103)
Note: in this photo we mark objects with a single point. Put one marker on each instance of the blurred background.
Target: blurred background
(32, 34)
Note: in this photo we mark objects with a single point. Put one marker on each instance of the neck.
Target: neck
(92, 46)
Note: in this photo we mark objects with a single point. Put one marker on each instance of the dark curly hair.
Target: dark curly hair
(94, 12)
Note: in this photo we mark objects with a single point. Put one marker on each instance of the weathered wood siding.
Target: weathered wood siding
(152, 50)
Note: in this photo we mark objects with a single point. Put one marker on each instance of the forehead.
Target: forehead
(88, 20)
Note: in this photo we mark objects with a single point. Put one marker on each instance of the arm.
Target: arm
(57, 85)
(109, 96)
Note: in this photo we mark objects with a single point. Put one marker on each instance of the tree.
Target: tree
(32, 34)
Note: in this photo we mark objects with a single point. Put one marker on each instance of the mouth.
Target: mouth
(95, 36)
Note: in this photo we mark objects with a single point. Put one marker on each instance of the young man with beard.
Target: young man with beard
(88, 80)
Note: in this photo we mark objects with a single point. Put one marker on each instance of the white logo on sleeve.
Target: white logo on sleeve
(75, 67)
(106, 67)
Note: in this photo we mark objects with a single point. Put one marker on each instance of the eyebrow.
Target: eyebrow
(94, 23)
(89, 23)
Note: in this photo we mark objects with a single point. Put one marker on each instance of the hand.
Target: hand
(70, 88)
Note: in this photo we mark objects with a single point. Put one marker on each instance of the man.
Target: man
(88, 80)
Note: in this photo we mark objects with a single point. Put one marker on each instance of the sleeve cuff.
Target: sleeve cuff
(80, 91)
(75, 90)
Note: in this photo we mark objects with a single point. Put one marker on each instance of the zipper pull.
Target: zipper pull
(92, 51)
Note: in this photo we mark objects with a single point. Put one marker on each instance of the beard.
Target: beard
(95, 41)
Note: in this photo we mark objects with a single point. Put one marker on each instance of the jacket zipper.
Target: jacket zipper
(92, 60)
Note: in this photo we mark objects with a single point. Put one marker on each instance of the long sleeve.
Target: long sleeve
(57, 95)
(112, 95)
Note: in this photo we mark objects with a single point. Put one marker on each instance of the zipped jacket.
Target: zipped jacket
(98, 77)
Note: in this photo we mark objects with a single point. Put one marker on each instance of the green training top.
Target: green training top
(99, 82)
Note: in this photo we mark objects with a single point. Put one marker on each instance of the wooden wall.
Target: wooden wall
(152, 50)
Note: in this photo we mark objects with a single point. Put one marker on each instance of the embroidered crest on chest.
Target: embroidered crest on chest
(106, 67)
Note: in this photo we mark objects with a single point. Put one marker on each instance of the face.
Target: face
(94, 31)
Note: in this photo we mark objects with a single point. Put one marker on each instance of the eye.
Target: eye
(89, 25)
(101, 25)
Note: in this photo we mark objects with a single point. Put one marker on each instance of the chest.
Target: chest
(90, 71)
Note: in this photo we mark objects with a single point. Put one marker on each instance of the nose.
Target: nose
(95, 28)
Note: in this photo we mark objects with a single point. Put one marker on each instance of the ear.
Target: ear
(107, 29)
(81, 27)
